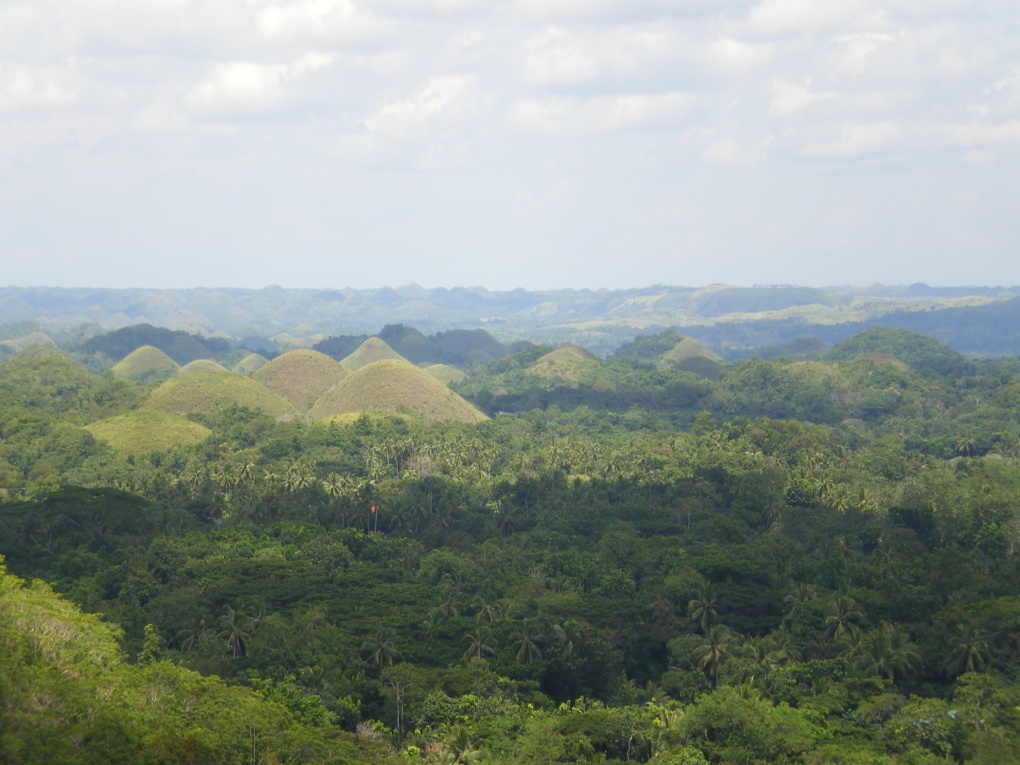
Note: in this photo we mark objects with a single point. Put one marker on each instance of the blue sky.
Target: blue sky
(531, 143)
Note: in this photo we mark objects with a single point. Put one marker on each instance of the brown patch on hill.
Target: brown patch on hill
(398, 386)
(301, 376)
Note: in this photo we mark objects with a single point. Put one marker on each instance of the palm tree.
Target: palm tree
(462, 748)
(799, 597)
(235, 631)
(971, 650)
(449, 605)
(191, 637)
(762, 651)
(842, 618)
(710, 655)
(380, 648)
(527, 650)
(965, 445)
(487, 612)
(478, 648)
(703, 607)
(889, 651)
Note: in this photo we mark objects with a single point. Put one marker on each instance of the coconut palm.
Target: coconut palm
(380, 649)
(527, 650)
(888, 652)
(478, 648)
(716, 648)
(971, 650)
(703, 607)
(235, 631)
(843, 617)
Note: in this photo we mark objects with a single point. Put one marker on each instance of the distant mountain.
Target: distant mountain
(472, 325)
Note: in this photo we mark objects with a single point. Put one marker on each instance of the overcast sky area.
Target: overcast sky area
(509, 143)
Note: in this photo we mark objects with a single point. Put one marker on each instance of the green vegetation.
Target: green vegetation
(568, 363)
(796, 561)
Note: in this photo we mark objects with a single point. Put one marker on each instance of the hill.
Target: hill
(568, 362)
(372, 350)
(301, 376)
(146, 364)
(17, 344)
(143, 432)
(399, 386)
(691, 356)
(210, 392)
(181, 346)
(445, 373)
(202, 365)
(250, 363)
(922, 352)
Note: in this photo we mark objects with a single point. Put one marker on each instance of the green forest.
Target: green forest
(653, 557)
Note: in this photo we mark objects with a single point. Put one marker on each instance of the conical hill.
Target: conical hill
(253, 362)
(568, 362)
(145, 364)
(210, 392)
(398, 386)
(202, 365)
(691, 356)
(445, 373)
(301, 376)
(142, 432)
(373, 349)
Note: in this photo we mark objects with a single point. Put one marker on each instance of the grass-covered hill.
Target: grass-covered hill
(142, 432)
(211, 392)
(301, 376)
(146, 364)
(372, 350)
(202, 365)
(250, 363)
(568, 363)
(445, 373)
(691, 356)
(399, 386)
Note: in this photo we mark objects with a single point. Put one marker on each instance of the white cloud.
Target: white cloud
(249, 87)
(43, 87)
(856, 140)
(797, 17)
(318, 22)
(575, 116)
(445, 100)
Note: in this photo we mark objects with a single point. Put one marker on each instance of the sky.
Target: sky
(509, 143)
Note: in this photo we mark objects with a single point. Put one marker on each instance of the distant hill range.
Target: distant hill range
(467, 325)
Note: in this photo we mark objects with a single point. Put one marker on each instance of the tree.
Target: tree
(842, 618)
(716, 648)
(235, 631)
(888, 652)
(478, 648)
(527, 650)
(380, 648)
(703, 607)
(970, 651)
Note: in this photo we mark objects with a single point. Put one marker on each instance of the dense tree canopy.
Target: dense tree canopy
(798, 562)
